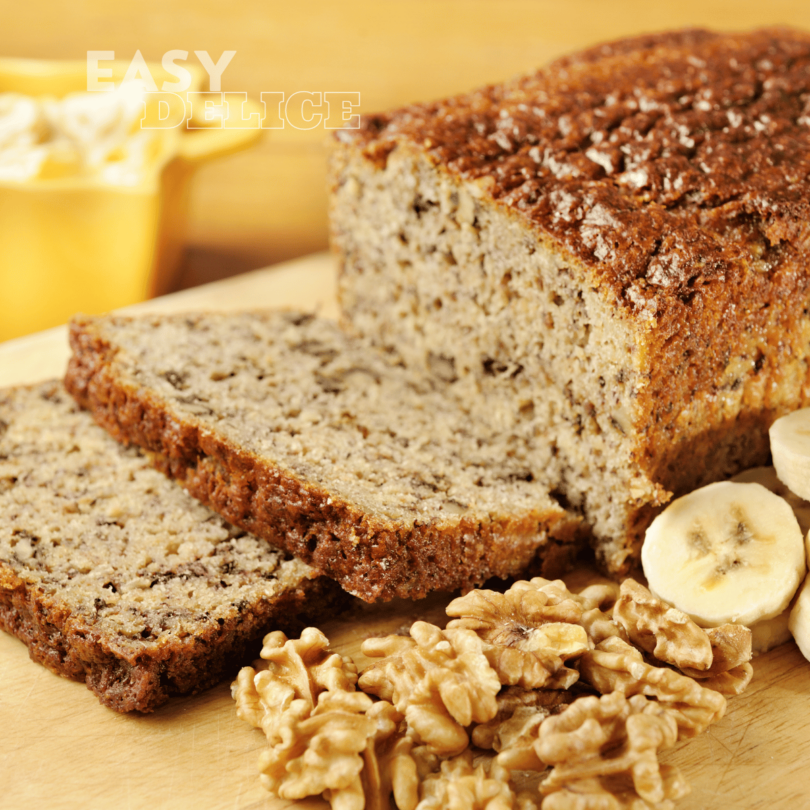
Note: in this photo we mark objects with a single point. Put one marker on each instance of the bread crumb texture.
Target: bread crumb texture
(113, 574)
(380, 476)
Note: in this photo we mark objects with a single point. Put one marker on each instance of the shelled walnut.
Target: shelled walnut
(598, 605)
(461, 786)
(616, 666)
(731, 646)
(733, 682)
(513, 731)
(291, 674)
(717, 656)
(320, 751)
(673, 638)
(390, 765)
(439, 679)
(597, 743)
(665, 632)
(596, 602)
(602, 594)
(730, 672)
(497, 674)
(529, 633)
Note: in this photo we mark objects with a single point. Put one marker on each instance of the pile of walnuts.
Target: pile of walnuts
(584, 689)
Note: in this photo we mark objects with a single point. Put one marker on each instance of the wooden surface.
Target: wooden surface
(269, 204)
(62, 749)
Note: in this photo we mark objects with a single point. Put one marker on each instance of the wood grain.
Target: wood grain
(63, 750)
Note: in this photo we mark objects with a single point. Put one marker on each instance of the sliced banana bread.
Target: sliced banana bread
(616, 247)
(378, 476)
(113, 575)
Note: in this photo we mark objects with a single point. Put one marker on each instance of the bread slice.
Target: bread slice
(113, 575)
(377, 476)
(614, 247)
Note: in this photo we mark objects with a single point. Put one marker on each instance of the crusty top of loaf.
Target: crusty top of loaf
(669, 164)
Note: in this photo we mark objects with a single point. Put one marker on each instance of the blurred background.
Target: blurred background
(267, 203)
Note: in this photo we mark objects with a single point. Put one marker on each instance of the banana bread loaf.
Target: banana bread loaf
(614, 247)
(112, 574)
(378, 476)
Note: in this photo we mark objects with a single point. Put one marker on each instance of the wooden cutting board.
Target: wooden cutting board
(62, 749)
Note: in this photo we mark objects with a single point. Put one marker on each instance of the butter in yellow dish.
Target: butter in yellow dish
(92, 205)
(83, 134)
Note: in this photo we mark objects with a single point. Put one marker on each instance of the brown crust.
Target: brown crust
(125, 681)
(372, 559)
(626, 93)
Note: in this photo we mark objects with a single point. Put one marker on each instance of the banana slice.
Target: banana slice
(770, 633)
(790, 448)
(727, 552)
(800, 619)
(770, 480)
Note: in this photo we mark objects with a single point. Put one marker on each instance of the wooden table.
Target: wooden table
(62, 749)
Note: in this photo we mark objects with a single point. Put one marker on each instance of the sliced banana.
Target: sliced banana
(800, 619)
(727, 552)
(771, 633)
(790, 448)
(770, 480)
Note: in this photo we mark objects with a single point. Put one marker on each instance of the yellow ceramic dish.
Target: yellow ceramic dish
(75, 244)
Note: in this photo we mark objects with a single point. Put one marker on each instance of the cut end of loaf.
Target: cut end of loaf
(617, 256)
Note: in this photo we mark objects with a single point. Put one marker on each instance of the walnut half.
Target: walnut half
(291, 674)
(605, 750)
(616, 666)
(529, 632)
(719, 656)
(324, 737)
(439, 679)
(461, 786)
(665, 632)
(321, 752)
(513, 731)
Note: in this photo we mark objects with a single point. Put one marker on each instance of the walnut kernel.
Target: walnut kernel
(439, 679)
(596, 741)
(665, 632)
(617, 666)
(528, 633)
(460, 786)
(292, 671)
(321, 752)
